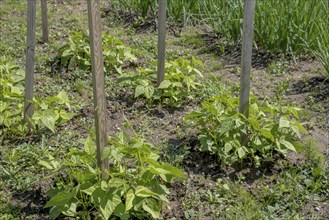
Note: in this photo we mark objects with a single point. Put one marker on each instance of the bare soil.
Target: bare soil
(165, 126)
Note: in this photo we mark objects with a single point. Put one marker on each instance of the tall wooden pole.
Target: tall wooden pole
(30, 50)
(161, 40)
(97, 64)
(248, 28)
(44, 14)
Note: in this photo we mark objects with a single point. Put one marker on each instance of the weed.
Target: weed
(19, 169)
(312, 153)
(193, 41)
(281, 90)
(281, 196)
(277, 68)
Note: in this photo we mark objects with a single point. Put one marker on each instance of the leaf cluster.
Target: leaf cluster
(76, 53)
(135, 186)
(281, 197)
(49, 112)
(180, 82)
(52, 111)
(11, 96)
(269, 128)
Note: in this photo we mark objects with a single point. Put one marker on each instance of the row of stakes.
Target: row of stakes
(95, 32)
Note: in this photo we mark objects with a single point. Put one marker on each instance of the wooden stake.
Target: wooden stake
(30, 50)
(161, 40)
(44, 14)
(97, 64)
(248, 27)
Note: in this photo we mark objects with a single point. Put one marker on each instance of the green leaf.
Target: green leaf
(301, 127)
(45, 164)
(120, 212)
(254, 122)
(198, 72)
(158, 171)
(56, 211)
(149, 90)
(64, 99)
(142, 191)
(227, 125)
(143, 82)
(19, 76)
(98, 194)
(75, 190)
(287, 144)
(85, 176)
(72, 63)
(225, 186)
(227, 147)
(89, 146)
(241, 152)
(177, 84)
(66, 115)
(207, 143)
(66, 53)
(125, 78)
(60, 199)
(164, 84)
(72, 211)
(130, 196)
(167, 178)
(116, 182)
(284, 123)
(139, 90)
(278, 145)
(88, 189)
(163, 198)
(267, 133)
(52, 192)
(108, 204)
(151, 206)
(53, 162)
(48, 120)
(173, 170)
(138, 203)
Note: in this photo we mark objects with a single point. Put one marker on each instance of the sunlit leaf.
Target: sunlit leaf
(60, 199)
(151, 206)
(142, 191)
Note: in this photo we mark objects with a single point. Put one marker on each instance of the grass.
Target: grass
(269, 196)
(321, 52)
(290, 28)
(285, 189)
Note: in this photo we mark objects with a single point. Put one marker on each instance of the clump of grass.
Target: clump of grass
(321, 51)
(286, 27)
(224, 17)
(193, 41)
(312, 153)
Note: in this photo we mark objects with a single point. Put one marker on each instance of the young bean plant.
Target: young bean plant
(181, 81)
(270, 128)
(76, 53)
(136, 186)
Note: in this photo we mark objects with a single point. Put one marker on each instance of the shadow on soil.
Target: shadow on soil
(318, 86)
